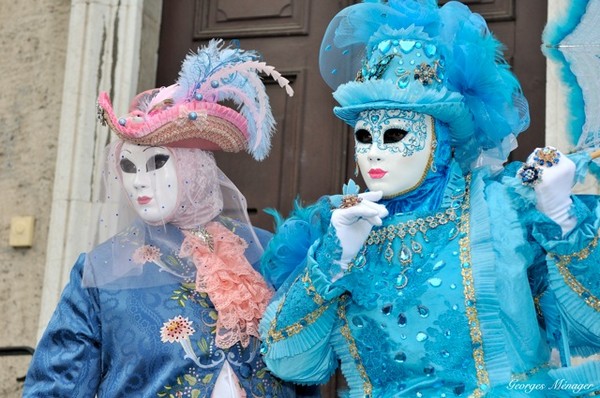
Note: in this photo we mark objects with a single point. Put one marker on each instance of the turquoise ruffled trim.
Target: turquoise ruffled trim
(523, 196)
(588, 220)
(348, 366)
(582, 321)
(485, 278)
(551, 313)
(577, 380)
(455, 186)
(301, 343)
(265, 322)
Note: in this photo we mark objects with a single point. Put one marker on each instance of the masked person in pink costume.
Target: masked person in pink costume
(453, 275)
(169, 306)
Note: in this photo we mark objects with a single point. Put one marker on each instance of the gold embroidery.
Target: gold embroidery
(411, 227)
(525, 375)
(570, 280)
(345, 330)
(536, 303)
(464, 243)
(379, 236)
(310, 289)
(295, 328)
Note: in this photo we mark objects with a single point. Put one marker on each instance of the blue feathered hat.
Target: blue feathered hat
(441, 61)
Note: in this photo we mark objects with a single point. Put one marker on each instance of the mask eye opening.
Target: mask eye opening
(363, 136)
(394, 135)
(127, 166)
(157, 161)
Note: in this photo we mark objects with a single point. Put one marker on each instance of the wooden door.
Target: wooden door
(308, 156)
(312, 151)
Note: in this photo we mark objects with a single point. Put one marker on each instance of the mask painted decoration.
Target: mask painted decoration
(394, 149)
(149, 177)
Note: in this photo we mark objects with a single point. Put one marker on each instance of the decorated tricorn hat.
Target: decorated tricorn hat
(441, 61)
(219, 102)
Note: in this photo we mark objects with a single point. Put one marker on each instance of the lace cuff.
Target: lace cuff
(324, 271)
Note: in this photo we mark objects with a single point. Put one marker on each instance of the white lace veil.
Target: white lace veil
(204, 194)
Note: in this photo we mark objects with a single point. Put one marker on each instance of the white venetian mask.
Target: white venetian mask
(394, 149)
(149, 176)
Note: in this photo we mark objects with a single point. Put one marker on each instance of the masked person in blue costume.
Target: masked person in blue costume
(170, 305)
(452, 275)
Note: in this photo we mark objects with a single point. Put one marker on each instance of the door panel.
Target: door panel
(308, 158)
(492, 10)
(257, 18)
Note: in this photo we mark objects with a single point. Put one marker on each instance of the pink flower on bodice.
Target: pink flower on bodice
(145, 254)
(176, 329)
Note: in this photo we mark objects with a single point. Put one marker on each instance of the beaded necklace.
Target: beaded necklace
(407, 232)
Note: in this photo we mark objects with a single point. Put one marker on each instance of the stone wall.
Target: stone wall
(33, 45)
(32, 56)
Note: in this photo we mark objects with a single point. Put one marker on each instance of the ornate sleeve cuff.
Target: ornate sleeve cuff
(295, 333)
(549, 234)
(296, 321)
(324, 272)
(575, 280)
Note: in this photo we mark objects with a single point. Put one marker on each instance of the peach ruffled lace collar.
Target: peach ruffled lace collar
(238, 292)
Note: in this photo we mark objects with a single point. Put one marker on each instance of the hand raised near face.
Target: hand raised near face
(552, 175)
(353, 222)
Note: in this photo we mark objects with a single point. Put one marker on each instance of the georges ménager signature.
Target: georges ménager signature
(558, 385)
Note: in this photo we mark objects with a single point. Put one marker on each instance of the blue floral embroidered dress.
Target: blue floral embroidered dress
(464, 299)
(147, 333)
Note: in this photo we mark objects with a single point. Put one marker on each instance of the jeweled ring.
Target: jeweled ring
(349, 201)
(547, 156)
(531, 174)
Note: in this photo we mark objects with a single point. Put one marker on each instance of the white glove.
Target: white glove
(553, 192)
(353, 224)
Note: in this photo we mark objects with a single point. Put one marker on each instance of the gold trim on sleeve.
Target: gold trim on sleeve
(345, 330)
(483, 380)
(275, 335)
(561, 263)
(310, 289)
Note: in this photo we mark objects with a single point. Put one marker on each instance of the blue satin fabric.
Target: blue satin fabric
(398, 321)
(105, 340)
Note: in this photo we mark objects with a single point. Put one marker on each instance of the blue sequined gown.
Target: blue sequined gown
(467, 298)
